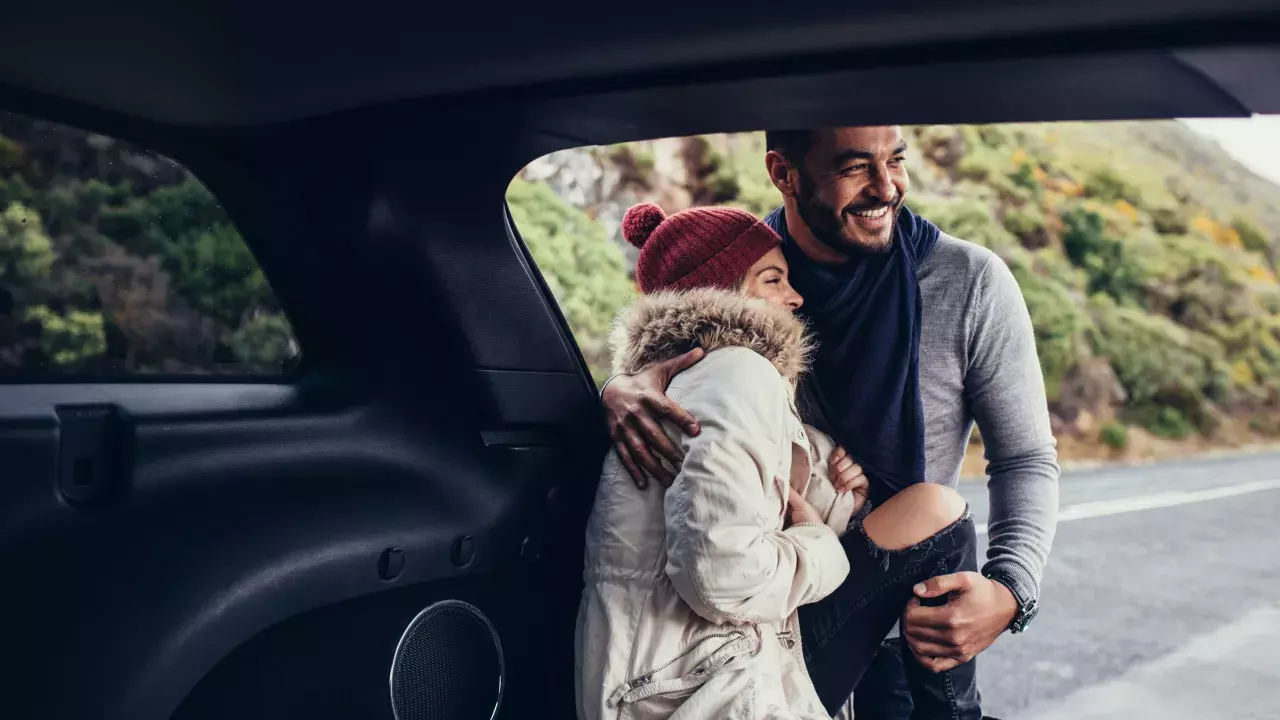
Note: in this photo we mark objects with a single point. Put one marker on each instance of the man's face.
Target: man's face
(852, 185)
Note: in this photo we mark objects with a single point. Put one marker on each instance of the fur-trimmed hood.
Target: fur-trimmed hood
(663, 325)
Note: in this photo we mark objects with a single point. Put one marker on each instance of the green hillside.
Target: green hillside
(1145, 253)
(117, 261)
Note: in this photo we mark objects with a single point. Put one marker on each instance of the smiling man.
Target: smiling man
(920, 335)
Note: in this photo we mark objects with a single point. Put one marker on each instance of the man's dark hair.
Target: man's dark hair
(793, 144)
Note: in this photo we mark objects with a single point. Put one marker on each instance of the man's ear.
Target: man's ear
(782, 173)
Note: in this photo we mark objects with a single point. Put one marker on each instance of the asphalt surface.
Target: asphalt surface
(1161, 598)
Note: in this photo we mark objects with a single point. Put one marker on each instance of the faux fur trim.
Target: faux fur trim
(663, 325)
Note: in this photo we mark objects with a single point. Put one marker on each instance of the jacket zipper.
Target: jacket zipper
(616, 698)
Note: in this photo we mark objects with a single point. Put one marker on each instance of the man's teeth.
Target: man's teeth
(878, 212)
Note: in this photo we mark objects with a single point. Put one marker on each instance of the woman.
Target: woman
(689, 609)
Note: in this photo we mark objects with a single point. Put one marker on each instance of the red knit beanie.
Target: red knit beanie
(698, 247)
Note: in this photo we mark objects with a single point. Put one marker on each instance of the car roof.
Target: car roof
(245, 64)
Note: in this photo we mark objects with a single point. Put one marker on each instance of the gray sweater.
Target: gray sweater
(978, 362)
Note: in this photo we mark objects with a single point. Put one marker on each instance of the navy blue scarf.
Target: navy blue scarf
(866, 376)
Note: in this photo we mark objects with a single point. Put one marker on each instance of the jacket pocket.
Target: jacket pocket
(696, 664)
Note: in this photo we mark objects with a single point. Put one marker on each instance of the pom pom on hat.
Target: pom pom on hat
(698, 247)
(640, 222)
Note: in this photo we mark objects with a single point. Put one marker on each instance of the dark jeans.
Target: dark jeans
(843, 634)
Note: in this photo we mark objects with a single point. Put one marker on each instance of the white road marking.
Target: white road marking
(1102, 508)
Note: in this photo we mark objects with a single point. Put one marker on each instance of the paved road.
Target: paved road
(1161, 600)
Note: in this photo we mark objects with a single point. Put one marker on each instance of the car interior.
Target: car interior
(215, 547)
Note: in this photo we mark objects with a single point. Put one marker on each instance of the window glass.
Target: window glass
(1145, 252)
(117, 261)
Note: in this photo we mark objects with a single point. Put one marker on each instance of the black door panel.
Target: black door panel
(246, 507)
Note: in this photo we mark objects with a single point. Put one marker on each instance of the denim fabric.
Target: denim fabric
(844, 634)
(883, 693)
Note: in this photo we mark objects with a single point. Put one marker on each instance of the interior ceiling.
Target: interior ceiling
(238, 63)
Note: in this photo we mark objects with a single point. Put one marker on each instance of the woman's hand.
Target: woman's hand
(800, 511)
(847, 476)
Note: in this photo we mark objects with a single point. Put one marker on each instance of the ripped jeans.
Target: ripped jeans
(843, 632)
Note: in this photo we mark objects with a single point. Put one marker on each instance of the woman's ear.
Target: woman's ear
(781, 172)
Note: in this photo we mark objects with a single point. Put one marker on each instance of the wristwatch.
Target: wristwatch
(1027, 606)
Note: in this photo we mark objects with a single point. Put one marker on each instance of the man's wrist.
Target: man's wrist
(1012, 575)
(1024, 603)
(605, 386)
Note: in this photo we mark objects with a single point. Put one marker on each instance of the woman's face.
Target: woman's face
(767, 279)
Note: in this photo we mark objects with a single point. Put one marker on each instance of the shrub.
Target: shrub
(1169, 221)
(264, 343)
(1154, 358)
(1107, 185)
(26, 252)
(1114, 435)
(68, 340)
(1251, 236)
(1101, 256)
(1218, 233)
(1025, 178)
(1166, 422)
(1028, 224)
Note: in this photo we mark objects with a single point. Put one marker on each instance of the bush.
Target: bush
(263, 343)
(68, 340)
(1251, 236)
(1028, 224)
(980, 162)
(1114, 435)
(1107, 185)
(1169, 221)
(1101, 256)
(26, 252)
(1166, 422)
(1155, 358)
(1025, 178)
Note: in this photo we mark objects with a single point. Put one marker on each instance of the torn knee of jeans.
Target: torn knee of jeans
(923, 548)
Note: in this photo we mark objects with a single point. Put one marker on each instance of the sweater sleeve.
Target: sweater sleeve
(1004, 387)
(727, 555)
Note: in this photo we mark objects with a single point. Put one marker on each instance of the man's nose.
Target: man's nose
(881, 185)
(795, 301)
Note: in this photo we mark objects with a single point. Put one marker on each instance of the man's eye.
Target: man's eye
(854, 168)
(898, 160)
(773, 281)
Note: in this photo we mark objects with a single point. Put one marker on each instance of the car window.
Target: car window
(116, 261)
(1145, 251)
(1146, 256)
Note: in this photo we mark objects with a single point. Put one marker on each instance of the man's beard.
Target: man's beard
(828, 224)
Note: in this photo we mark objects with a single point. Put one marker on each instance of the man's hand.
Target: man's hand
(977, 611)
(634, 407)
(800, 510)
(847, 476)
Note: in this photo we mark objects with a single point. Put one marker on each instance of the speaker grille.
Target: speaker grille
(448, 666)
